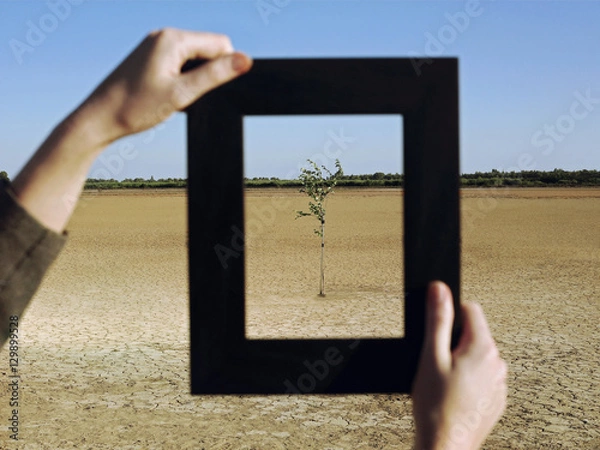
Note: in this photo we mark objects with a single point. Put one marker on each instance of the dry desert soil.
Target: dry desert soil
(104, 346)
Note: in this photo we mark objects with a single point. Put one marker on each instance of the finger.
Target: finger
(476, 332)
(202, 45)
(197, 82)
(438, 328)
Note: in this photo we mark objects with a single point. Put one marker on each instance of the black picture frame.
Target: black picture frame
(223, 360)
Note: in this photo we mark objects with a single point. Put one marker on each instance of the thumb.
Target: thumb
(438, 326)
(215, 72)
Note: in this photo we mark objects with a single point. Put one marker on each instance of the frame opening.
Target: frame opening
(363, 273)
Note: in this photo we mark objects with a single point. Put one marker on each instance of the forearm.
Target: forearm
(142, 91)
(50, 184)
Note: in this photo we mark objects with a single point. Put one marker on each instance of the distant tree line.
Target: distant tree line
(495, 178)
(136, 183)
(532, 178)
(366, 180)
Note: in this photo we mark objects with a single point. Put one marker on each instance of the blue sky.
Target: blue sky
(529, 77)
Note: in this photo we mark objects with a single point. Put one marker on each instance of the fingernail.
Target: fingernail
(239, 63)
(437, 293)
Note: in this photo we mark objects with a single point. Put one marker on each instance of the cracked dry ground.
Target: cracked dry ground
(104, 345)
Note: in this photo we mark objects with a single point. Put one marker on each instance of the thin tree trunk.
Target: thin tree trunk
(322, 283)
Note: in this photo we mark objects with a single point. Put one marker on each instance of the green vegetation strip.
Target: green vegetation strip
(495, 178)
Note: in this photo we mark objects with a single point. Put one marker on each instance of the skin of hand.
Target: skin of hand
(458, 395)
(145, 89)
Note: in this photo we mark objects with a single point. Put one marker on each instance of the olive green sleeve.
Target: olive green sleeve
(27, 249)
